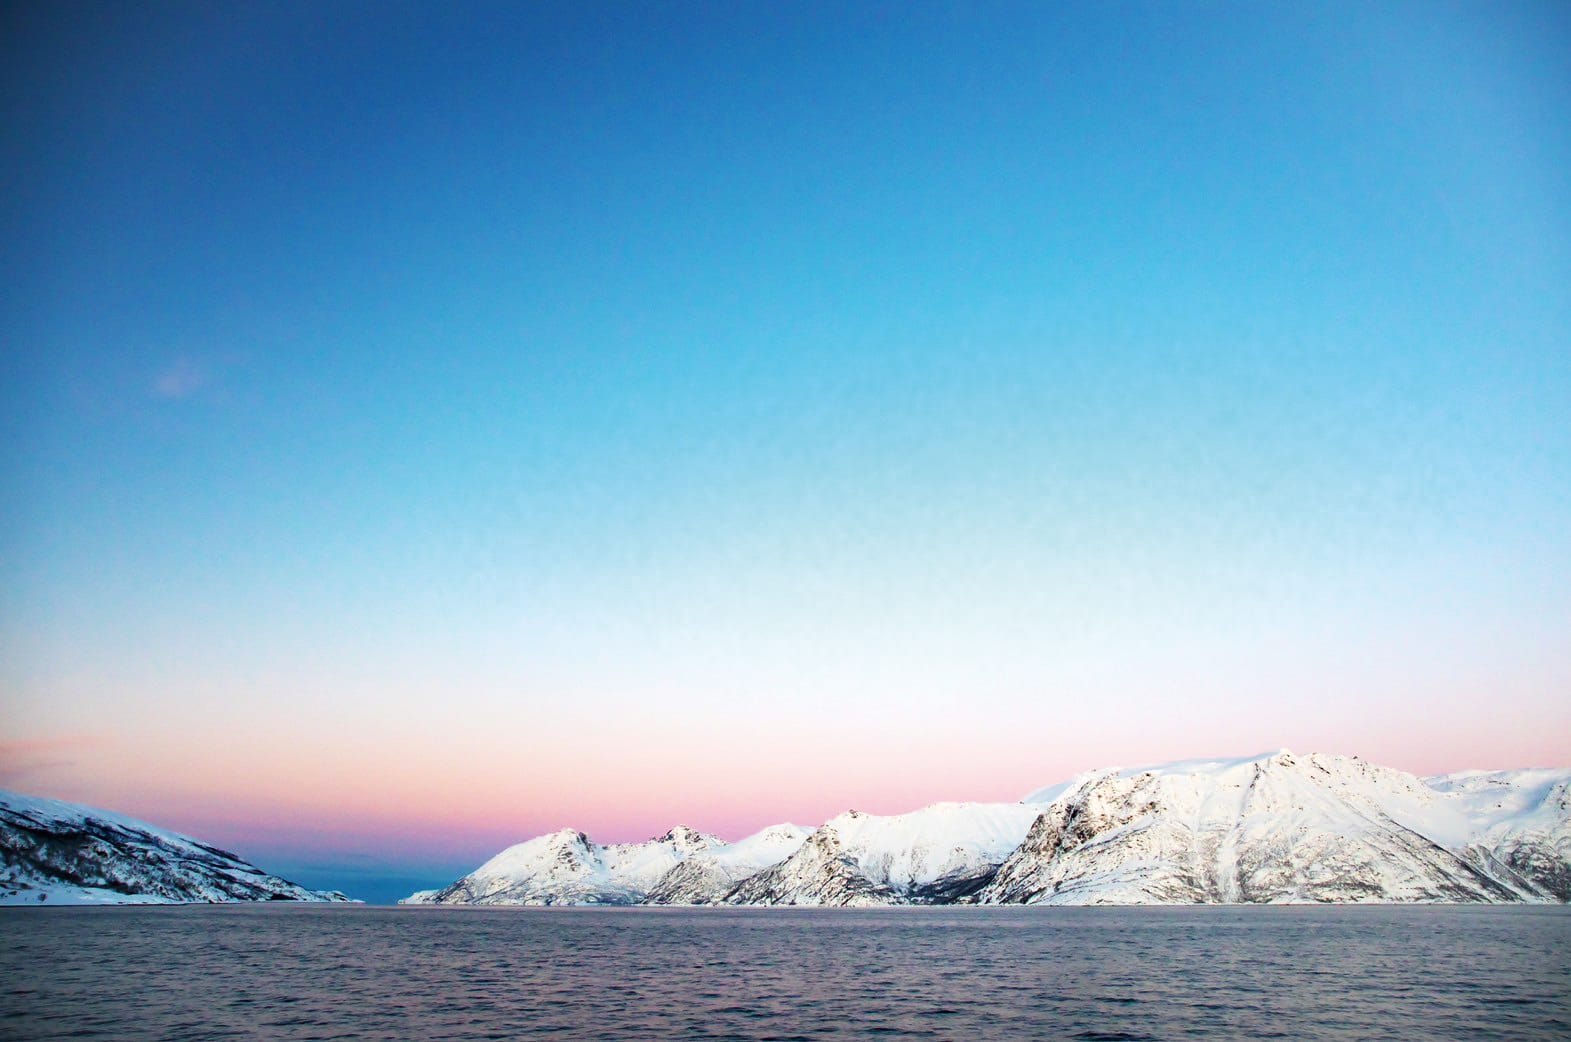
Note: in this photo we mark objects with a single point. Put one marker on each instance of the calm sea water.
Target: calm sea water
(967, 973)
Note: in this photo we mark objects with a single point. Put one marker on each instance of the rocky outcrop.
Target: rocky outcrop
(64, 853)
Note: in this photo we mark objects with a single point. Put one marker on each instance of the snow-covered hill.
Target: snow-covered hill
(1270, 828)
(420, 897)
(936, 855)
(566, 867)
(1520, 818)
(709, 874)
(1273, 828)
(62, 853)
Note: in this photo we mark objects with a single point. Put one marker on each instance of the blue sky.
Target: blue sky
(400, 387)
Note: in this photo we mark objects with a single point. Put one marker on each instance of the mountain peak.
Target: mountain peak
(686, 838)
(1272, 827)
(564, 837)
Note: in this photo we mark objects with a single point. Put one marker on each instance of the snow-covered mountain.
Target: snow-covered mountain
(936, 855)
(709, 874)
(1270, 828)
(1519, 818)
(62, 853)
(566, 867)
(420, 897)
(1281, 828)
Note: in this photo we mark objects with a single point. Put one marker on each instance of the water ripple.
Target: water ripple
(1121, 975)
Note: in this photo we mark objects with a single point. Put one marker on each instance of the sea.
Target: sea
(358, 972)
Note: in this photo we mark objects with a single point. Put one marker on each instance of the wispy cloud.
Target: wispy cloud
(182, 379)
(28, 757)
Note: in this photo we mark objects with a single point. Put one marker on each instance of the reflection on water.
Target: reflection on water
(959, 973)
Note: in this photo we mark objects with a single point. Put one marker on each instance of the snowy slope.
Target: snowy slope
(1272, 828)
(1269, 828)
(1521, 819)
(420, 897)
(708, 874)
(566, 867)
(933, 855)
(62, 853)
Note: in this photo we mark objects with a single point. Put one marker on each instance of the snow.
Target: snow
(932, 855)
(708, 875)
(74, 813)
(52, 852)
(420, 897)
(1273, 827)
(922, 846)
(1418, 804)
(64, 894)
(1490, 798)
(763, 848)
(567, 867)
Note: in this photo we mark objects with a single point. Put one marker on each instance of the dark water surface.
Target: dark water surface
(961, 973)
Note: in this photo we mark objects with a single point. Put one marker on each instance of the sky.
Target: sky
(429, 425)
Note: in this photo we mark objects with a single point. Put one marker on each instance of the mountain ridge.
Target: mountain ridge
(53, 852)
(1270, 828)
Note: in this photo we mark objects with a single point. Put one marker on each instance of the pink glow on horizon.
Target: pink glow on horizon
(368, 800)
